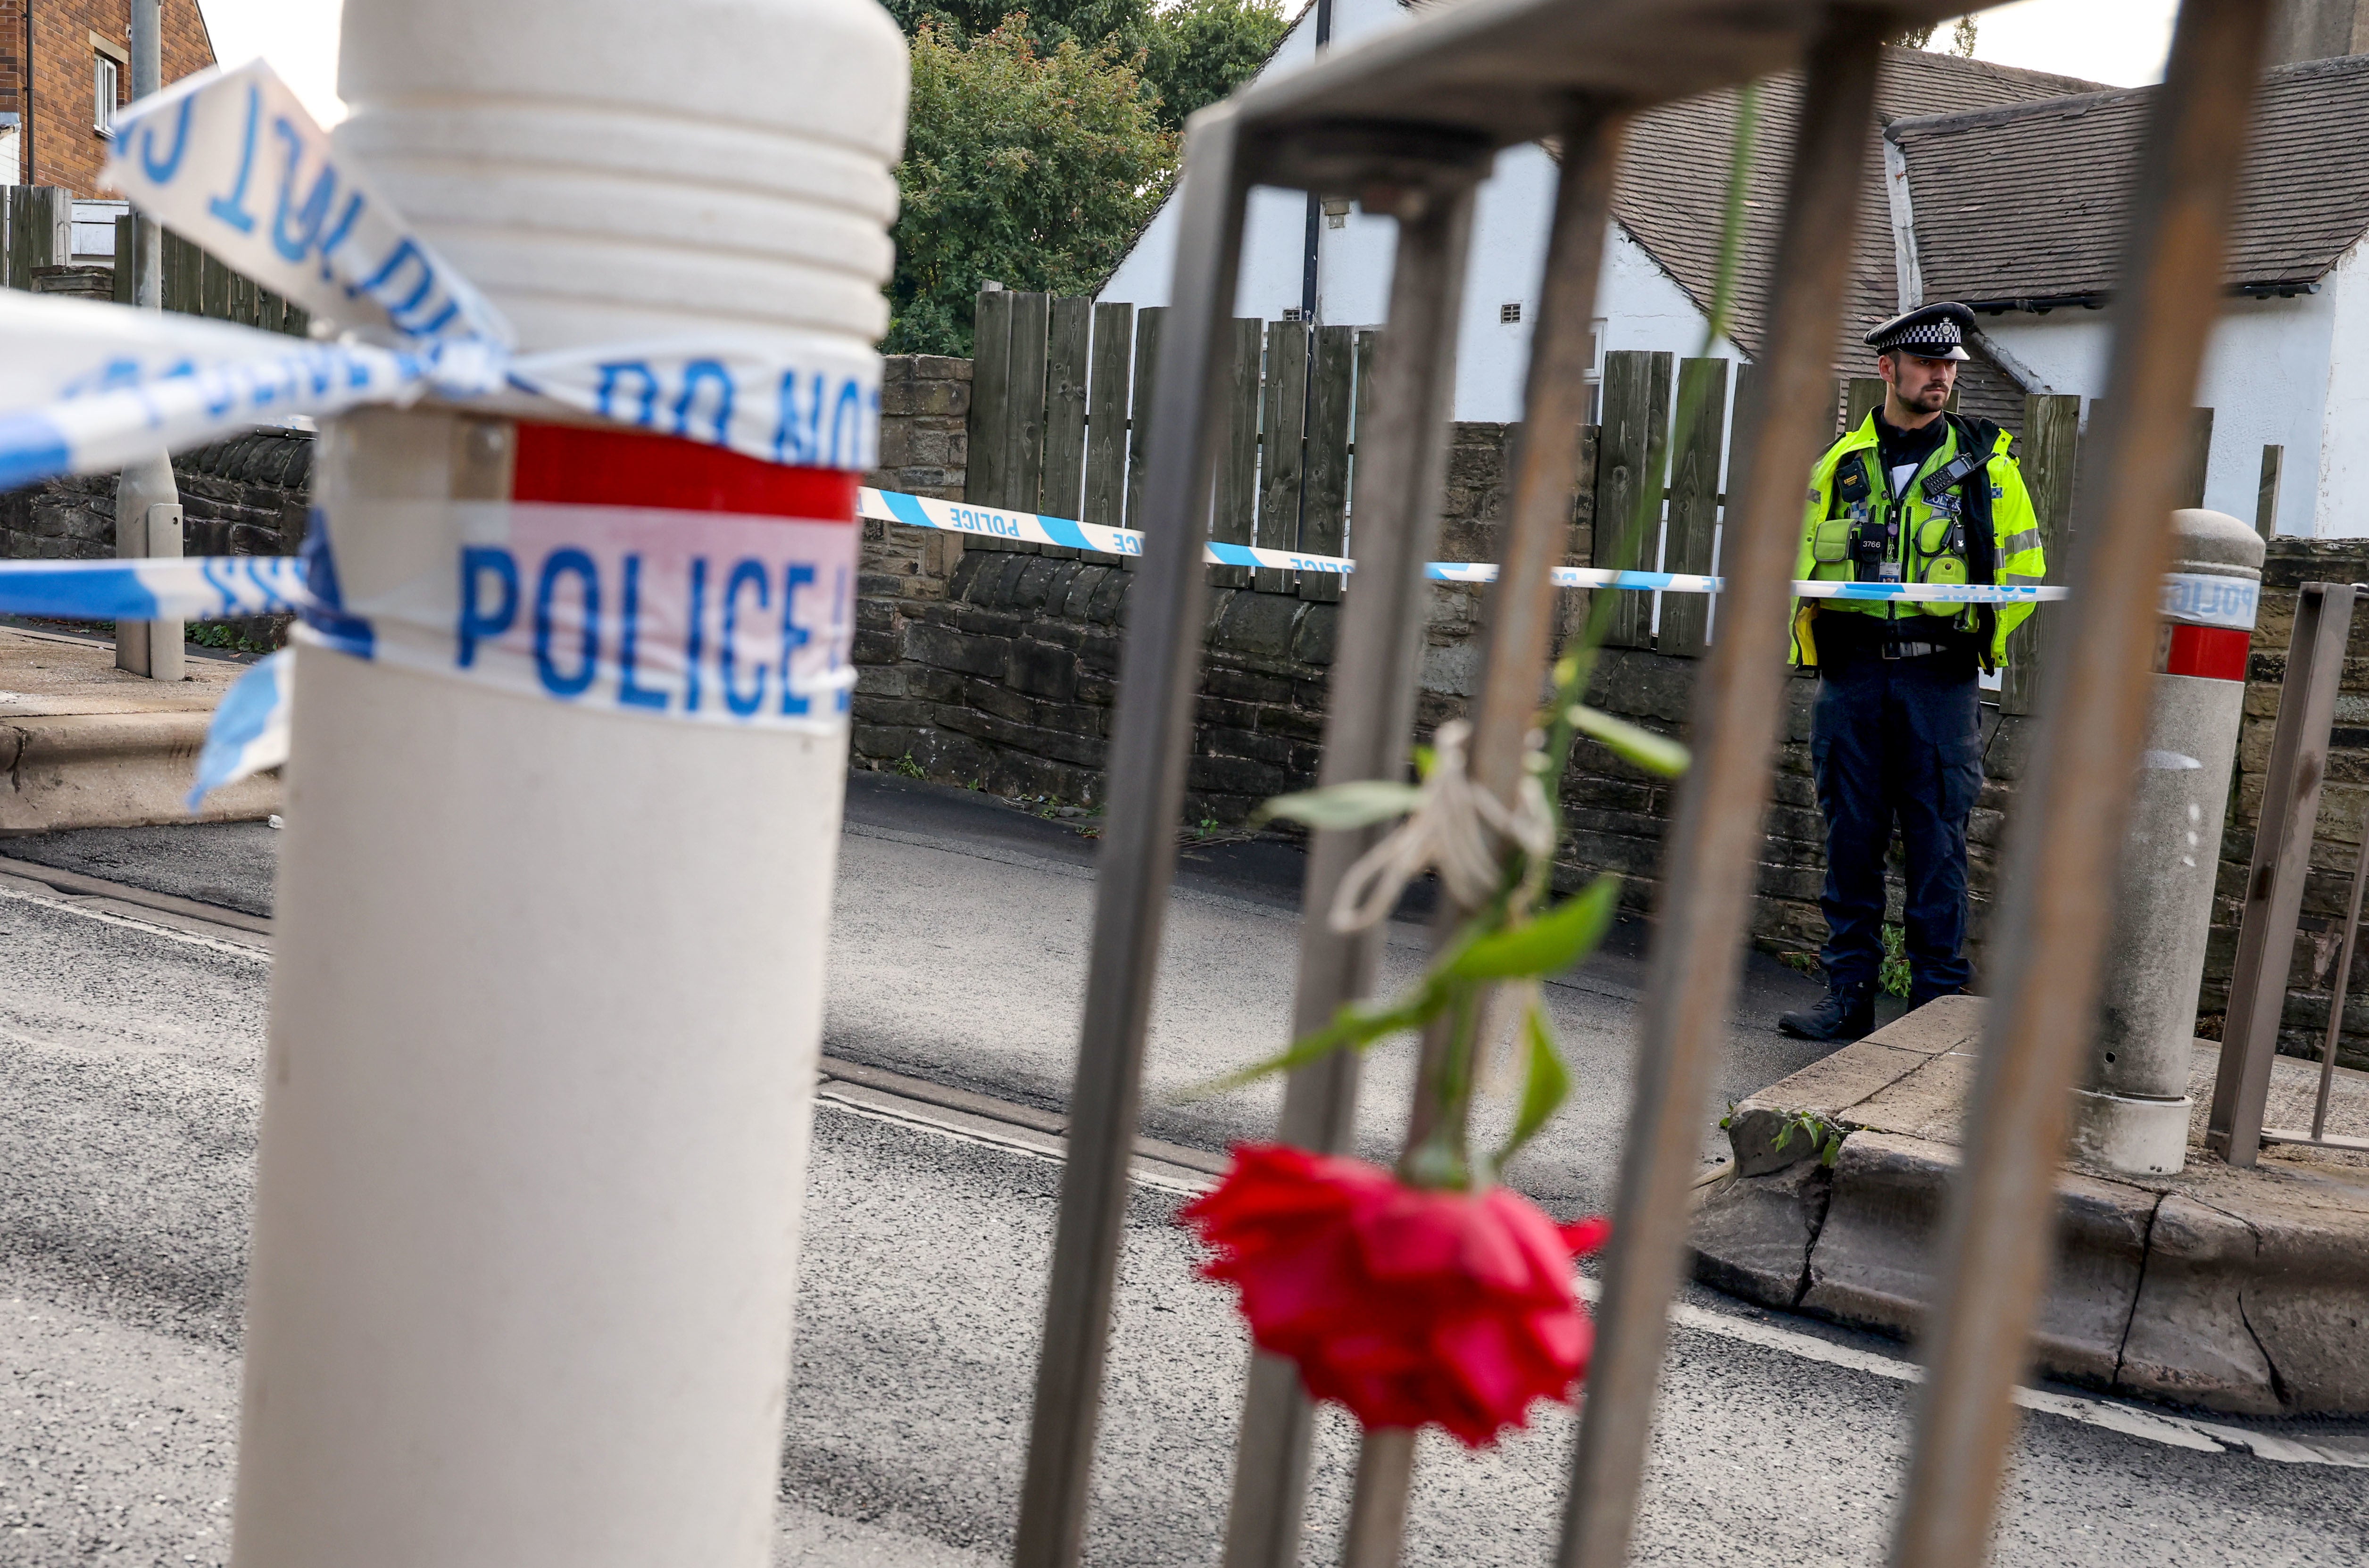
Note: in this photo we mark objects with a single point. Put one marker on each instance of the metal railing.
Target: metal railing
(2274, 890)
(1408, 123)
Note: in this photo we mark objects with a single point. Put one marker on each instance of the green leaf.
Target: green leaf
(1353, 1028)
(1635, 743)
(1357, 805)
(1545, 1081)
(1784, 1136)
(1549, 945)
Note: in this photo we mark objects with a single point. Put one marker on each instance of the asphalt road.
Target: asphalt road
(129, 1054)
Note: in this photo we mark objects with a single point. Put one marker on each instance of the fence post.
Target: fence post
(127, 242)
(1065, 411)
(2266, 495)
(1694, 501)
(990, 396)
(1630, 461)
(1866, 395)
(1148, 323)
(1575, 603)
(1324, 502)
(1235, 517)
(1282, 446)
(2283, 827)
(1106, 416)
(1024, 430)
(2200, 457)
(2049, 458)
(41, 231)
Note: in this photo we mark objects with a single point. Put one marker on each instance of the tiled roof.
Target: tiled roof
(2026, 203)
(1674, 182)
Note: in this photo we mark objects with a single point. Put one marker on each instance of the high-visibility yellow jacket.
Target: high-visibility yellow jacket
(1980, 528)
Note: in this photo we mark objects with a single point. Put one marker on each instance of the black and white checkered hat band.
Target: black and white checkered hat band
(1941, 334)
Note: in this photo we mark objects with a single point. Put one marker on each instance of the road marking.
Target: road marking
(2173, 1431)
(228, 944)
(874, 1105)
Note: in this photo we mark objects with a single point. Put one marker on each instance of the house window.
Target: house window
(106, 76)
(1509, 312)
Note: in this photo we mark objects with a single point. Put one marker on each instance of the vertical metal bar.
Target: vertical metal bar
(1519, 623)
(1998, 1230)
(1378, 1508)
(1369, 713)
(1158, 674)
(1715, 840)
(2282, 863)
(2336, 990)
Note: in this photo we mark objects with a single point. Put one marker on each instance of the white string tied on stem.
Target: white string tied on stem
(1457, 829)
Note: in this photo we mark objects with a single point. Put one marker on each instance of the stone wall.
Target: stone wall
(245, 497)
(983, 664)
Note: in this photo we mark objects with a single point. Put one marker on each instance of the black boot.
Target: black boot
(1846, 1013)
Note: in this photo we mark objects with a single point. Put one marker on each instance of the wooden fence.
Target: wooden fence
(1061, 395)
(1060, 400)
(39, 225)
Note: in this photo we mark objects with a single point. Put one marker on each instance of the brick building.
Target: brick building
(52, 115)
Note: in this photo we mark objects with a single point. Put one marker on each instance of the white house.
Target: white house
(1660, 251)
(2018, 211)
(2008, 194)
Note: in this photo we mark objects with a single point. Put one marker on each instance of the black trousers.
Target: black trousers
(1897, 742)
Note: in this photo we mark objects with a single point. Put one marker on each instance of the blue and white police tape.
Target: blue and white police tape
(230, 160)
(249, 732)
(961, 517)
(659, 653)
(198, 588)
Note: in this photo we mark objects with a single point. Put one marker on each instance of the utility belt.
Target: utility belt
(1851, 638)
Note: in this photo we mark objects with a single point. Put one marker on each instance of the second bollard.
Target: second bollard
(2132, 1115)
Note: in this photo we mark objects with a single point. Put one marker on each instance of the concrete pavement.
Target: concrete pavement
(130, 1051)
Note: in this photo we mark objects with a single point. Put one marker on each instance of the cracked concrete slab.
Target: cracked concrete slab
(2245, 1291)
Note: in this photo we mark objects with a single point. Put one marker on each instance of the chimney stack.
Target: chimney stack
(2317, 29)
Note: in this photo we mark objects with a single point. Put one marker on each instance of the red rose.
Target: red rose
(1406, 1305)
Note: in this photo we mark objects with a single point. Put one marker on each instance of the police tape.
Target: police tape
(995, 522)
(738, 621)
(231, 161)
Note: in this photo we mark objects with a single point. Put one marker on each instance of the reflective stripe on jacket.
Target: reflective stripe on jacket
(1851, 501)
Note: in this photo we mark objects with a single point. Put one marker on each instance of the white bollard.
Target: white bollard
(2133, 1114)
(148, 524)
(548, 995)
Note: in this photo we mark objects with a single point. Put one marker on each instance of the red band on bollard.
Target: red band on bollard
(573, 466)
(2210, 653)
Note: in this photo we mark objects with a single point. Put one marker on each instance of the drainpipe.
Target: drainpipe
(1315, 203)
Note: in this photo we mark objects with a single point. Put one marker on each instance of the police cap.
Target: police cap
(1929, 331)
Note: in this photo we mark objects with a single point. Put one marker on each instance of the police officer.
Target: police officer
(1914, 494)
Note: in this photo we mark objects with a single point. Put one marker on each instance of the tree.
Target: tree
(1962, 36)
(1202, 49)
(1185, 53)
(1037, 169)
